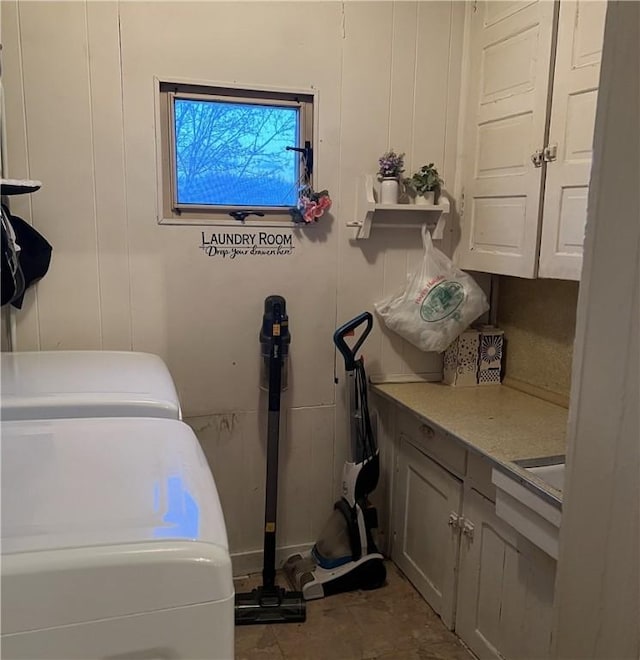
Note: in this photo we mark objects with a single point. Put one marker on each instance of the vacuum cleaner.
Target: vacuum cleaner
(345, 556)
(270, 603)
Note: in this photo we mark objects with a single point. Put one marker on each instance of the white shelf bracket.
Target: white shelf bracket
(397, 216)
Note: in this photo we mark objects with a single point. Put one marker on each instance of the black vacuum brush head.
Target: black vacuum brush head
(270, 605)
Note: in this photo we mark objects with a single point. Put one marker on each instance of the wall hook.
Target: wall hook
(307, 158)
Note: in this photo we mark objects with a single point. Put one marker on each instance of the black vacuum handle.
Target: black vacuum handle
(349, 354)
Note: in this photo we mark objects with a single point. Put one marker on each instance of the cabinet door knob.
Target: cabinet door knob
(467, 529)
(454, 520)
(427, 431)
(537, 158)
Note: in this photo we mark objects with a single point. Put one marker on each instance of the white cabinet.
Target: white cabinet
(527, 151)
(425, 538)
(485, 580)
(505, 587)
(573, 113)
(509, 49)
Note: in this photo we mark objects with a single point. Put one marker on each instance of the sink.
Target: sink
(529, 498)
(549, 469)
(552, 474)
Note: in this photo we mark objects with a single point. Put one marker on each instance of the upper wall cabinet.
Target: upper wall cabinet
(524, 194)
(573, 114)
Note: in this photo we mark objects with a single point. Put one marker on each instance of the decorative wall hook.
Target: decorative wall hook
(307, 159)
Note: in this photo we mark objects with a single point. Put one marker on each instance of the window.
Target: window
(226, 152)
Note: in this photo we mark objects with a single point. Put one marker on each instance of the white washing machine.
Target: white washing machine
(59, 384)
(113, 543)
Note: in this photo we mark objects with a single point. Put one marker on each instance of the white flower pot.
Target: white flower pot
(426, 199)
(389, 190)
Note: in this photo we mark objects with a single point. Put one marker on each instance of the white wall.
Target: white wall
(598, 579)
(80, 110)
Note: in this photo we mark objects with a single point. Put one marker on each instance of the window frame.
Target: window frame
(166, 90)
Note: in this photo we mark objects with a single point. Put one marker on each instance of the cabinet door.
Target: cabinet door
(508, 61)
(505, 587)
(573, 112)
(425, 544)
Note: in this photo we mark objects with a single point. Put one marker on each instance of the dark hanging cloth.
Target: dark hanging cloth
(12, 284)
(25, 257)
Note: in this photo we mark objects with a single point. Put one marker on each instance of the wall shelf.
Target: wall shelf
(394, 216)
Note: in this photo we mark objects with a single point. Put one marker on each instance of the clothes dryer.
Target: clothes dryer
(61, 384)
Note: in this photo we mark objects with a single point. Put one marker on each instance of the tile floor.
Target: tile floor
(391, 623)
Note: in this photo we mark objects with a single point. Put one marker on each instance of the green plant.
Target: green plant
(425, 179)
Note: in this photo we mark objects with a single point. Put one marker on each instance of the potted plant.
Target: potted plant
(391, 167)
(427, 184)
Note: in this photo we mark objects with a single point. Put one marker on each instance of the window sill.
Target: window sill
(230, 222)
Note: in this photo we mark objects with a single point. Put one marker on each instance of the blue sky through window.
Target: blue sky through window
(234, 154)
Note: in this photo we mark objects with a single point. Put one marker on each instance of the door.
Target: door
(508, 65)
(427, 502)
(505, 587)
(573, 111)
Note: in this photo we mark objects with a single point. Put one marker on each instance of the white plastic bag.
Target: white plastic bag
(437, 303)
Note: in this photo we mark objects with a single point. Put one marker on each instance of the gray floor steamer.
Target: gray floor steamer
(345, 556)
(270, 603)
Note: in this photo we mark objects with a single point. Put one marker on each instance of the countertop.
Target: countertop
(496, 421)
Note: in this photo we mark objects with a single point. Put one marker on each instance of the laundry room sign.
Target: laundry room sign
(231, 245)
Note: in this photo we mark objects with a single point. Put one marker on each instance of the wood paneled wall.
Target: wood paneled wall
(79, 82)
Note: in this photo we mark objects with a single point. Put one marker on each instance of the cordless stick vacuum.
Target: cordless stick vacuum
(270, 603)
(345, 557)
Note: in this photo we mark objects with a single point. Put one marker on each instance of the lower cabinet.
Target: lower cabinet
(488, 583)
(425, 536)
(505, 587)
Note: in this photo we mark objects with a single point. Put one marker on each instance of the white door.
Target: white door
(425, 544)
(505, 587)
(598, 594)
(573, 112)
(508, 66)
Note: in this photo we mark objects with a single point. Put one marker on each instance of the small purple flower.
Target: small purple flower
(391, 164)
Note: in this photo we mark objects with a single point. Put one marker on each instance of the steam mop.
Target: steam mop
(345, 556)
(270, 603)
